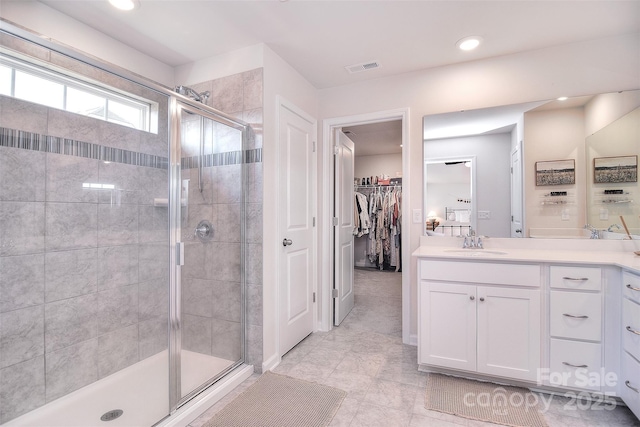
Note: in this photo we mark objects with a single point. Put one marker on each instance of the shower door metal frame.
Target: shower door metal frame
(178, 104)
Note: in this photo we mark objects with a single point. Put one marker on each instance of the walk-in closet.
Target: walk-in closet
(377, 195)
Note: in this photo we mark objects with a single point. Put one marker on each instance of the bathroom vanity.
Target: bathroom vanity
(555, 315)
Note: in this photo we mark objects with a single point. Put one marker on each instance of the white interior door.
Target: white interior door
(343, 227)
(516, 192)
(296, 136)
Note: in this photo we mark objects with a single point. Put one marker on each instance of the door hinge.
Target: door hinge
(336, 150)
(334, 221)
(314, 146)
(314, 297)
(334, 293)
(314, 221)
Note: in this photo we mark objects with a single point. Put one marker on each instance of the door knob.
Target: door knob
(287, 242)
(518, 230)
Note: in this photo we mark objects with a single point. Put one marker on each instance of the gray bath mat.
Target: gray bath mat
(280, 401)
(509, 406)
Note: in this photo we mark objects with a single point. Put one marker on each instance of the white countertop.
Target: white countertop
(579, 251)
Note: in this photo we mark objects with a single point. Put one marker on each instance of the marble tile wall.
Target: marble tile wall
(83, 272)
(211, 288)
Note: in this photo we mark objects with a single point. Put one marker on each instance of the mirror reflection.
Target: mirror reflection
(449, 195)
(509, 142)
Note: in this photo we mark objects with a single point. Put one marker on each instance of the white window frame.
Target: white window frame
(143, 106)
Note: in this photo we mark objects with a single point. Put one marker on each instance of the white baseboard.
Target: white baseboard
(413, 339)
(271, 363)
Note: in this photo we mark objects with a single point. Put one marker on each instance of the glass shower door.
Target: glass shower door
(209, 302)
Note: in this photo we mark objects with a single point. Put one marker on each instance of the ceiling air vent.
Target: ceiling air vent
(370, 65)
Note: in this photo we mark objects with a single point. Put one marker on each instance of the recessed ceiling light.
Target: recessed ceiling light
(469, 43)
(125, 4)
(562, 98)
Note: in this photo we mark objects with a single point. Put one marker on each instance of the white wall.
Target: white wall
(597, 66)
(606, 108)
(223, 65)
(387, 164)
(65, 30)
(555, 135)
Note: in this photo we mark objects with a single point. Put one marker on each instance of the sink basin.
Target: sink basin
(474, 252)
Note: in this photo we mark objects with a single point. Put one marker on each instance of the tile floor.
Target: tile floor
(366, 358)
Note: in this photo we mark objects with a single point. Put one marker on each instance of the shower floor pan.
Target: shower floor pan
(141, 391)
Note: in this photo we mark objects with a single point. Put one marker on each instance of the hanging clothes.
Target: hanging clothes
(379, 216)
(362, 223)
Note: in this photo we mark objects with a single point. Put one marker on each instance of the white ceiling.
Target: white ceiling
(320, 38)
(376, 138)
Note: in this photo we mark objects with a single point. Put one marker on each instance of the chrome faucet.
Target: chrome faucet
(470, 241)
(594, 231)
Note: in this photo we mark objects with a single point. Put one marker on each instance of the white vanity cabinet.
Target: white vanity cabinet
(630, 375)
(480, 317)
(575, 324)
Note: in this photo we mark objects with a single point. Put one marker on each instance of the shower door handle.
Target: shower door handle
(287, 242)
(180, 253)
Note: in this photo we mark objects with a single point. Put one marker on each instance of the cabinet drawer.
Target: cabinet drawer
(584, 278)
(630, 383)
(631, 283)
(631, 327)
(576, 315)
(481, 272)
(571, 363)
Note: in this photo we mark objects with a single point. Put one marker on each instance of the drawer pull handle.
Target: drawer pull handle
(576, 279)
(575, 317)
(633, 331)
(632, 288)
(575, 366)
(628, 384)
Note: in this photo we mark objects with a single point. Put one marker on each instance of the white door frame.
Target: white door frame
(281, 102)
(326, 257)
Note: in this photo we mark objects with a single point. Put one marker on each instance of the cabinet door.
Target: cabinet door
(509, 332)
(630, 383)
(448, 329)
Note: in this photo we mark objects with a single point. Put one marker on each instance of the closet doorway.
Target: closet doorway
(378, 139)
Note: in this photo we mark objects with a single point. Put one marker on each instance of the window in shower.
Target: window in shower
(42, 86)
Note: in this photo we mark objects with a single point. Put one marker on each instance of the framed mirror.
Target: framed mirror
(515, 138)
(448, 193)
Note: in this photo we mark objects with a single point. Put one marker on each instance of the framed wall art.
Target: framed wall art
(615, 169)
(556, 172)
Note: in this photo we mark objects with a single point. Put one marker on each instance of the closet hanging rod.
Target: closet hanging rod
(378, 186)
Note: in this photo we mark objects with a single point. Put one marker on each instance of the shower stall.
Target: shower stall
(122, 248)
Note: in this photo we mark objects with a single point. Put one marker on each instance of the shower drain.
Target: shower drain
(111, 415)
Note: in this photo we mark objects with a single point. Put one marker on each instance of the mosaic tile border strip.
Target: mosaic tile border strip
(13, 138)
(223, 159)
